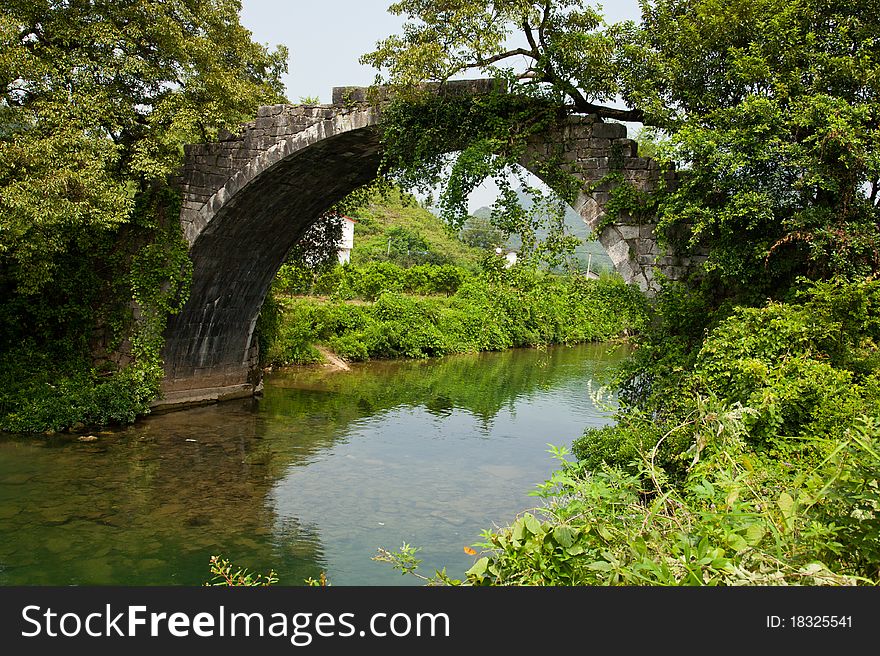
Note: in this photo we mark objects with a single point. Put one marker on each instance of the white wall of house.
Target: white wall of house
(509, 257)
(346, 243)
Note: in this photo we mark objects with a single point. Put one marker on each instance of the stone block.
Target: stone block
(264, 123)
(597, 143)
(592, 163)
(636, 175)
(618, 251)
(609, 131)
(628, 231)
(626, 147)
(626, 271)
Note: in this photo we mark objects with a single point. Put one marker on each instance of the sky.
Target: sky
(325, 40)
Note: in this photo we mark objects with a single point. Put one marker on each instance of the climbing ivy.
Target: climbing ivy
(122, 295)
(433, 139)
(159, 280)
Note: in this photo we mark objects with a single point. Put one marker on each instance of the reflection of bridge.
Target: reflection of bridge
(250, 197)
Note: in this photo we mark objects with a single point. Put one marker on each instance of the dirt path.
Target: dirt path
(333, 360)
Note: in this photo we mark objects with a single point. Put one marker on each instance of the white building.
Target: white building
(345, 244)
(509, 256)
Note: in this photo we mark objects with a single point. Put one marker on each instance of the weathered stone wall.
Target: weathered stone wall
(249, 198)
(592, 150)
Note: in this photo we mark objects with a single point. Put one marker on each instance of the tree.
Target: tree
(770, 112)
(98, 98)
(480, 233)
(317, 249)
(568, 50)
(773, 110)
(316, 253)
(771, 107)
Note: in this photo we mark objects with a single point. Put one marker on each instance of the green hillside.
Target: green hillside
(395, 228)
(588, 251)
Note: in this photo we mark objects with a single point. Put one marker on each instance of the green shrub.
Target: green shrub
(736, 518)
(350, 347)
(286, 333)
(803, 370)
(51, 400)
(494, 311)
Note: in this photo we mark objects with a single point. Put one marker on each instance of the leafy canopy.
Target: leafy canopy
(770, 109)
(773, 108)
(98, 98)
(560, 49)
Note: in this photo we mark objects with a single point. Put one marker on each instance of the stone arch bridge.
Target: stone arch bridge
(249, 197)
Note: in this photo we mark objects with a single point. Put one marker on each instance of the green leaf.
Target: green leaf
(479, 568)
(564, 535)
(786, 504)
(737, 542)
(605, 533)
(518, 530)
(600, 566)
(754, 534)
(532, 524)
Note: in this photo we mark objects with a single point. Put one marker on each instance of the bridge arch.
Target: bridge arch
(250, 197)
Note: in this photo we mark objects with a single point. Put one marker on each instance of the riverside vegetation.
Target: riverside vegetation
(754, 461)
(97, 100)
(489, 311)
(415, 290)
(747, 443)
(746, 448)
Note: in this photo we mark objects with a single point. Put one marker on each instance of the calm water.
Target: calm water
(315, 476)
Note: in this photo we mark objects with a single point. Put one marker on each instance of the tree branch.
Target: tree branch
(504, 55)
(581, 104)
(543, 71)
(545, 18)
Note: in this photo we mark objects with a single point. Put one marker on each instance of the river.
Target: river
(313, 477)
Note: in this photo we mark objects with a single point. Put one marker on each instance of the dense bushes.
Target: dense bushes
(369, 280)
(496, 310)
(55, 366)
(802, 370)
(755, 460)
(89, 207)
(46, 402)
(738, 518)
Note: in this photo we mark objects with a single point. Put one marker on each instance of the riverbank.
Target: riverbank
(753, 459)
(487, 312)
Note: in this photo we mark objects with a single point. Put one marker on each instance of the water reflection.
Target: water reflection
(314, 477)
